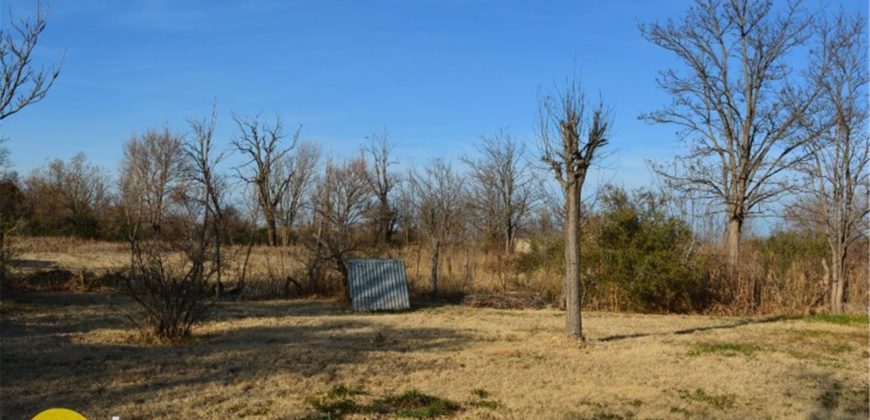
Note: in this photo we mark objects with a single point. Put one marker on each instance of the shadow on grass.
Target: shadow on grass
(742, 322)
(43, 351)
(835, 399)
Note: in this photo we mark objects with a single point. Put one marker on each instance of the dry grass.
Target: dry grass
(284, 359)
(463, 272)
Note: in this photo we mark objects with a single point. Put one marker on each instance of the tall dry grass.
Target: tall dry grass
(484, 277)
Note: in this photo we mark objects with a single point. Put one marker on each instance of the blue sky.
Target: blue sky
(436, 74)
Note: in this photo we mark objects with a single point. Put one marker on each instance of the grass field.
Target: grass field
(312, 359)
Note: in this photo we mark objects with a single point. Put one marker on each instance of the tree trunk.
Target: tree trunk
(509, 238)
(386, 219)
(838, 281)
(345, 279)
(735, 228)
(573, 323)
(436, 248)
(272, 227)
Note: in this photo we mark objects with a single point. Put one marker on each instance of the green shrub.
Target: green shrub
(642, 250)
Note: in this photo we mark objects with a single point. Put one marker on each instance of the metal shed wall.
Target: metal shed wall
(378, 285)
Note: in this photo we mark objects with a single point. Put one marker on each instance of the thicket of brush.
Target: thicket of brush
(636, 257)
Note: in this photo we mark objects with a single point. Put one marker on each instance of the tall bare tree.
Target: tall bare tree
(440, 195)
(735, 102)
(265, 146)
(503, 187)
(340, 203)
(23, 83)
(152, 170)
(570, 138)
(837, 171)
(300, 166)
(381, 181)
(202, 162)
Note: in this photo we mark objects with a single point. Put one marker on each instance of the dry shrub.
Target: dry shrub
(173, 295)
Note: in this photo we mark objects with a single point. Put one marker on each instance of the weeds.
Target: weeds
(725, 349)
(415, 404)
(840, 319)
(339, 402)
(340, 391)
(480, 400)
(839, 348)
(720, 402)
(830, 399)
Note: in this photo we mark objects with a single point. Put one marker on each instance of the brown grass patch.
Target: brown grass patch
(269, 359)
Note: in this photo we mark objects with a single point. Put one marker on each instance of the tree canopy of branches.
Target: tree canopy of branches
(735, 102)
(440, 203)
(837, 197)
(570, 137)
(23, 83)
(503, 190)
(301, 167)
(210, 187)
(381, 182)
(151, 173)
(340, 203)
(265, 146)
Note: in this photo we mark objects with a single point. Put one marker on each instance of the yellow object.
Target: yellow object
(59, 414)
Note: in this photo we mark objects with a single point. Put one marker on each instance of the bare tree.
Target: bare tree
(381, 181)
(23, 83)
(440, 202)
(151, 172)
(837, 171)
(570, 137)
(203, 160)
(173, 293)
(735, 102)
(264, 146)
(300, 168)
(340, 204)
(503, 190)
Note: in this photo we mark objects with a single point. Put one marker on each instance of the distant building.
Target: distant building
(522, 246)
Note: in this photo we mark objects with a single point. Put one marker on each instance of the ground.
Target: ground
(313, 359)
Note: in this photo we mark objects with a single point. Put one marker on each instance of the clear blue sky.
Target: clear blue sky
(437, 73)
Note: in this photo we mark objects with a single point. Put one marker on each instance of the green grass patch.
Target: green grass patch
(603, 414)
(340, 391)
(480, 400)
(725, 349)
(830, 399)
(341, 401)
(334, 409)
(839, 348)
(415, 404)
(720, 402)
(480, 393)
(487, 404)
(840, 319)
(680, 410)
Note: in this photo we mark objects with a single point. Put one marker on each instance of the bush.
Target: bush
(172, 297)
(642, 252)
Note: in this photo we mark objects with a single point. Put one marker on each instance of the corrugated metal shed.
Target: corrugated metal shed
(378, 285)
